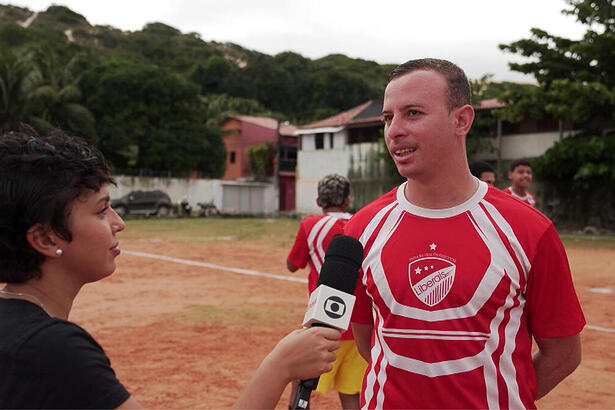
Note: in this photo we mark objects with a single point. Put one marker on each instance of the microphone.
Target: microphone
(332, 302)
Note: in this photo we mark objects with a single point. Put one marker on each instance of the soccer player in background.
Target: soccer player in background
(313, 236)
(520, 175)
(457, 279)
(483, 171)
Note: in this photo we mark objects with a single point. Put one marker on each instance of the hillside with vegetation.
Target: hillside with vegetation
(153, 98)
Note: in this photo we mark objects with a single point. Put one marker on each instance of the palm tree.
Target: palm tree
(17, 80)
(56, 95)
(37, 90)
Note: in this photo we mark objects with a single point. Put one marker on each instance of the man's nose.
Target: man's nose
(396, 128)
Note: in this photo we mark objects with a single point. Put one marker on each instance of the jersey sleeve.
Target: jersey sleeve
(552, 303)
(75, 369)
(299, 253)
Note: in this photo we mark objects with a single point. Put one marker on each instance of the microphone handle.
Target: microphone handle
(305, 388)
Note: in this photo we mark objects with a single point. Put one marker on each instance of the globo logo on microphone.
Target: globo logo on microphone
(335, 307)
(330, 307)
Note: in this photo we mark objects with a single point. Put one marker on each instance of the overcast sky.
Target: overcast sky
(466, 32)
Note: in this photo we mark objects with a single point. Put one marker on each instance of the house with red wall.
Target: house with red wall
(240, 132)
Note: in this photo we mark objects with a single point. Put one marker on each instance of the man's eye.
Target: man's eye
(387, 118)
(103, 211)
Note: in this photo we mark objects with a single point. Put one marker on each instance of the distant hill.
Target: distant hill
(300, 88)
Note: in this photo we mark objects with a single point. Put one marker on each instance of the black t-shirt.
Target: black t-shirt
(52, 363)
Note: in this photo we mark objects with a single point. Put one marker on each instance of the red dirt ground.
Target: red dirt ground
(183, 336)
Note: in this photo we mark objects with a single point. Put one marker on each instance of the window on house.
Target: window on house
(330, 140)
(232, 157)
(319, 141)
(365, 134)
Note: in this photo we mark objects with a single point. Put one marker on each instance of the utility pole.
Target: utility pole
(276, 165)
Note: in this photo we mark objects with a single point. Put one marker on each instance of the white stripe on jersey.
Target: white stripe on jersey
(313, 251)
(434, 334)
(316, 251)
(507, 368)
(321, 237)
(510, 235)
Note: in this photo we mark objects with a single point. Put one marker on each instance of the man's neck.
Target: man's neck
(332, 209)
(447, 192)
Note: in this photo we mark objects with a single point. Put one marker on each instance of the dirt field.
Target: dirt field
(189, 336)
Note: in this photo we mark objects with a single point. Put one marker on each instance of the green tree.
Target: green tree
(570, 71)
(148, 117)
(260, 158)
(220, 105)
(576, 84)
(213, 75)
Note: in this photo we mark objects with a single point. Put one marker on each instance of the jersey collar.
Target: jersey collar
(444, 212)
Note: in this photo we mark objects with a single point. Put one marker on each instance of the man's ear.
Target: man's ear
(319, 203)
(43, 240)
(464, 116)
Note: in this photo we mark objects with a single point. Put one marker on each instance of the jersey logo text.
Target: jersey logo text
(431, 278)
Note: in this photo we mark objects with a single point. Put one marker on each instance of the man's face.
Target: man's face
(419, 130)
(488, 177)
(521, 176)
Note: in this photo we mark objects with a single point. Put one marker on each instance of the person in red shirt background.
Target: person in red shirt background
(520, 175)
(313, 236)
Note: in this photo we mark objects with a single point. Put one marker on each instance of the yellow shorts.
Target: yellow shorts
(347, 373)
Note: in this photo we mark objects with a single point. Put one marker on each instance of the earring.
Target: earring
(59, 252)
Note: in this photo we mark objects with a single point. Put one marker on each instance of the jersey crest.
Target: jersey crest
(431, 276)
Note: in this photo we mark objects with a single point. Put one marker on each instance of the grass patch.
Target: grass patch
(588, 241)
(276, 231)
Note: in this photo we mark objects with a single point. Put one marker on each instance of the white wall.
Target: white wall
(311, 167)
(527, 145)
(195, 190)
(240, 198)
(230, 197)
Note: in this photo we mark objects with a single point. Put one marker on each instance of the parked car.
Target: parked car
(143, 203)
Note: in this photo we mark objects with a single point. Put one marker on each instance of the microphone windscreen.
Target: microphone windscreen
(340, 269)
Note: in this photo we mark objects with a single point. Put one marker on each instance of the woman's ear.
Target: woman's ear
(43, 240)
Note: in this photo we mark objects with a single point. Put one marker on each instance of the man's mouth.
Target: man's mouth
(404, 151)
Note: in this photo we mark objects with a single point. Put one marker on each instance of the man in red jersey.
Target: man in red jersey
(520, 176)
(314, 234)
(457, 278)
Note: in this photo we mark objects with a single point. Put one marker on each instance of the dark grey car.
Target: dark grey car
(143, 203)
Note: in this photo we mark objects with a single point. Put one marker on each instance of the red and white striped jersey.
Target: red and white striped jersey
(455, 296)
(313, 236)
(528, 198)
